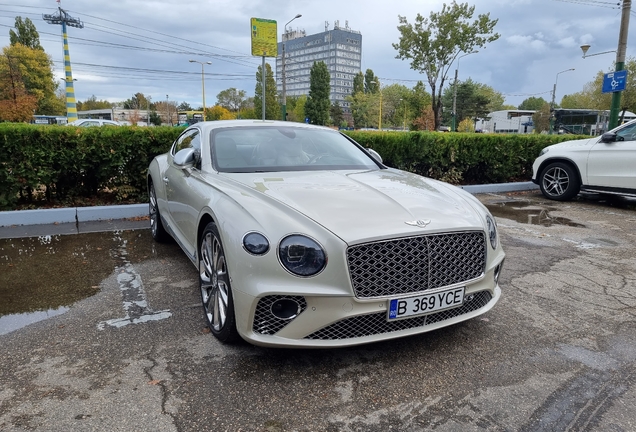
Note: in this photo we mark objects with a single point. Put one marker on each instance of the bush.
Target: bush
(73, 166)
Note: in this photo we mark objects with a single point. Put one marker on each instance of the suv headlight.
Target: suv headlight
(492, 231)
(301, 255)
(544, 151)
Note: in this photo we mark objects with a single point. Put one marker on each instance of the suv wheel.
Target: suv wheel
(559, 182)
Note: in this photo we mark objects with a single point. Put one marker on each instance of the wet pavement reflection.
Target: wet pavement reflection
(529, 213)
(42, 276)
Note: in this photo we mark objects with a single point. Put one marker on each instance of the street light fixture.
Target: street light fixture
(553, 95)
(283, 69)
(454, 125)
(202, 81)
(586, 47)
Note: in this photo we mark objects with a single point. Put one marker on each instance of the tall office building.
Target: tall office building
(340, 49)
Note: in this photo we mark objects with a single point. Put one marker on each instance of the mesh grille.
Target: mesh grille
(265, 322)
(368, 325)
(415, 264)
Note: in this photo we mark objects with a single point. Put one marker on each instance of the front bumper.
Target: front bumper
(340, 321)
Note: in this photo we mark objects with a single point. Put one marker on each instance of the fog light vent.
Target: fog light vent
(275, 312)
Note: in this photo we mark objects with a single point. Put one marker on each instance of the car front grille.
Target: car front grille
(414, 264)
(265, 322)
(374, 324)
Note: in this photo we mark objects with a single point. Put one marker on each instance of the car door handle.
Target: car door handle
(165, 180)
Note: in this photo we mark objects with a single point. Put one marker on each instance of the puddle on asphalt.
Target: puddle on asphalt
(518, 211)
(41, 277)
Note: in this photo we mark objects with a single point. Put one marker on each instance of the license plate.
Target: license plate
(425, 304)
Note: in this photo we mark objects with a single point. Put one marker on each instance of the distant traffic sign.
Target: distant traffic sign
(614, 81)
(264, 38)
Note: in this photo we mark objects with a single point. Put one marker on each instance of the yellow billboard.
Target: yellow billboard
(264, 38)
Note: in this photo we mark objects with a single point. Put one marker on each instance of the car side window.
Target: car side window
(189, 139)
(627, 134)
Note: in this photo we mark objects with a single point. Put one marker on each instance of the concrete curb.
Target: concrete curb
(500, 187)
(100, 213)
(73, 214)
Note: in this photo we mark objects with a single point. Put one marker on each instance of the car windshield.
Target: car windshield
(262, 149)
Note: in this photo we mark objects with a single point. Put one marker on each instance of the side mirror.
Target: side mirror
(375, 155)
(608, 137)
(185, 158)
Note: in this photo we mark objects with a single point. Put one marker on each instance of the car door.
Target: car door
(612, 164)
(180, 185)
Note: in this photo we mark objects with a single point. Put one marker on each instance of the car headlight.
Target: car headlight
(544, 151)
(301, 255)
(492, 231)
(255, 243)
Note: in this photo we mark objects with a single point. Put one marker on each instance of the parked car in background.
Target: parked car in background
(605, 165)
(302, 237)
(93, 122)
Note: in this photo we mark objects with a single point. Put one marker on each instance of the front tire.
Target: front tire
(216, 291)
(559, 182)
(157, 229)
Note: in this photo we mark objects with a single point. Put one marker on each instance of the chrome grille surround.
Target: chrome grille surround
(413, 264)
(374, 324)
(267, 323)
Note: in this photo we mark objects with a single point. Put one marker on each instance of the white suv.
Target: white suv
(604, 165)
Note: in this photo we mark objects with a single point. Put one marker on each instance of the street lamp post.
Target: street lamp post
(404, 100)
(283, 69)
(168, 110)
(553, 96)
(202, 81)
(454, 118)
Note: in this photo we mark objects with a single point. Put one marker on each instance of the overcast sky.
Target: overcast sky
(129, 46)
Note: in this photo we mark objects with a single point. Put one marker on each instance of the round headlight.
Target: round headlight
(492, 231)
(301, 255)
(255, 243)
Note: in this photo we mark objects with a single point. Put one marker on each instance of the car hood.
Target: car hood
(366, 205)
(575, 143)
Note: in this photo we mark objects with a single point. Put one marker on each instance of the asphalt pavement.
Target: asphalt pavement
(121, 343)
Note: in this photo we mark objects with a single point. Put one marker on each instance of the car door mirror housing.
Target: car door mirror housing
(185, 158)
(375, 155)
(608, 137)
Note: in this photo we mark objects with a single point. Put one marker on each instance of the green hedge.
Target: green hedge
(72, 165)
(69, 164)
(461, 158)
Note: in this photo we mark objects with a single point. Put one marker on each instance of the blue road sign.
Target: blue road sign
(614, 81)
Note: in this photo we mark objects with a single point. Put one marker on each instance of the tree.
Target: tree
(35, 69)
(337, 116)
(466, 125)
(296, 108)
(217, 112)
(184, 106)
(155, 119)
(137, 102)
(425, 121)
(432, 44)
(360, 109)
(471, 101)
(317, 105)
(541, 118)
(231, 98)
(92, 104)
(358, 83)
(272, 108)
(16, 105)
(532, 103)
(418, 100)
(26, 34)
(371, 82)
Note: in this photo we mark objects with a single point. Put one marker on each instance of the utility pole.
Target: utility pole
(62, 17)
(620, 61)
